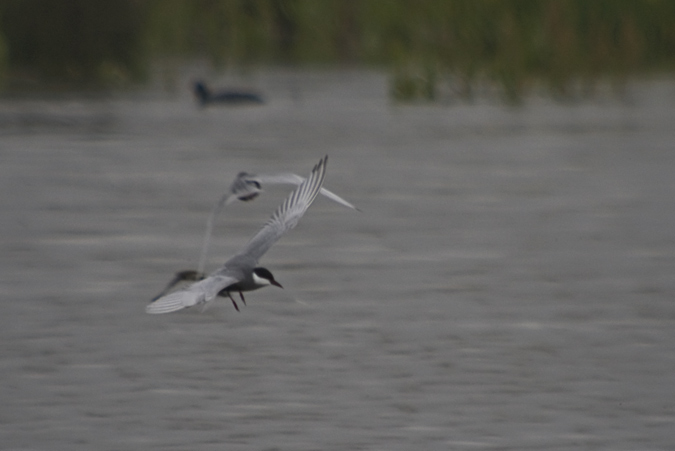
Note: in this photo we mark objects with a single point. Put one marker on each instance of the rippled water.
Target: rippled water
(509, 285)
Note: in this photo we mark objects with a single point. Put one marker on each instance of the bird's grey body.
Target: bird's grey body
(239, 273)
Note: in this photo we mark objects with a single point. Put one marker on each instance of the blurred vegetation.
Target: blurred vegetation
(73, 41)
(429, 46)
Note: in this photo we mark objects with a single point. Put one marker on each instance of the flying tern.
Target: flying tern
(241, 273)
(245, 188)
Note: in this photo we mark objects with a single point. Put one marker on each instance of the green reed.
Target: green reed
(429, 46)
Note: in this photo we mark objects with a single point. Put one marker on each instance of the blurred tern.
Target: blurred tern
(245, 188)
(240, 272)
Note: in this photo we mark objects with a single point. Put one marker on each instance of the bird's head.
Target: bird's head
(201, 91)
(262, 276)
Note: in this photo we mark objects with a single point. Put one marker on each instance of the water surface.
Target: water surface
(509, 284)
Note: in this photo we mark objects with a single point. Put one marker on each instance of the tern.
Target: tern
(241, 273)
(245, 188)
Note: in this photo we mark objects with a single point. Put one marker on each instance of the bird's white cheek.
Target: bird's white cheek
(260, 280)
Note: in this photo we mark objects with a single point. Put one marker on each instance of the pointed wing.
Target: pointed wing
(246, 187)
(287, 214)
(181, 276)
(197, 293)
(294, 179)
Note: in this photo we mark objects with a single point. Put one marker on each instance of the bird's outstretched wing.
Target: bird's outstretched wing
(198, 293)
(247, 187)
(294, 179)
(181, 276)
(287, 214)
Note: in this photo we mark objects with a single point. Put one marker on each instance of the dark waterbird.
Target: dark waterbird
(224, 97)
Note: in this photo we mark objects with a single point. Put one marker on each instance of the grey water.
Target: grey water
(510, 283)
